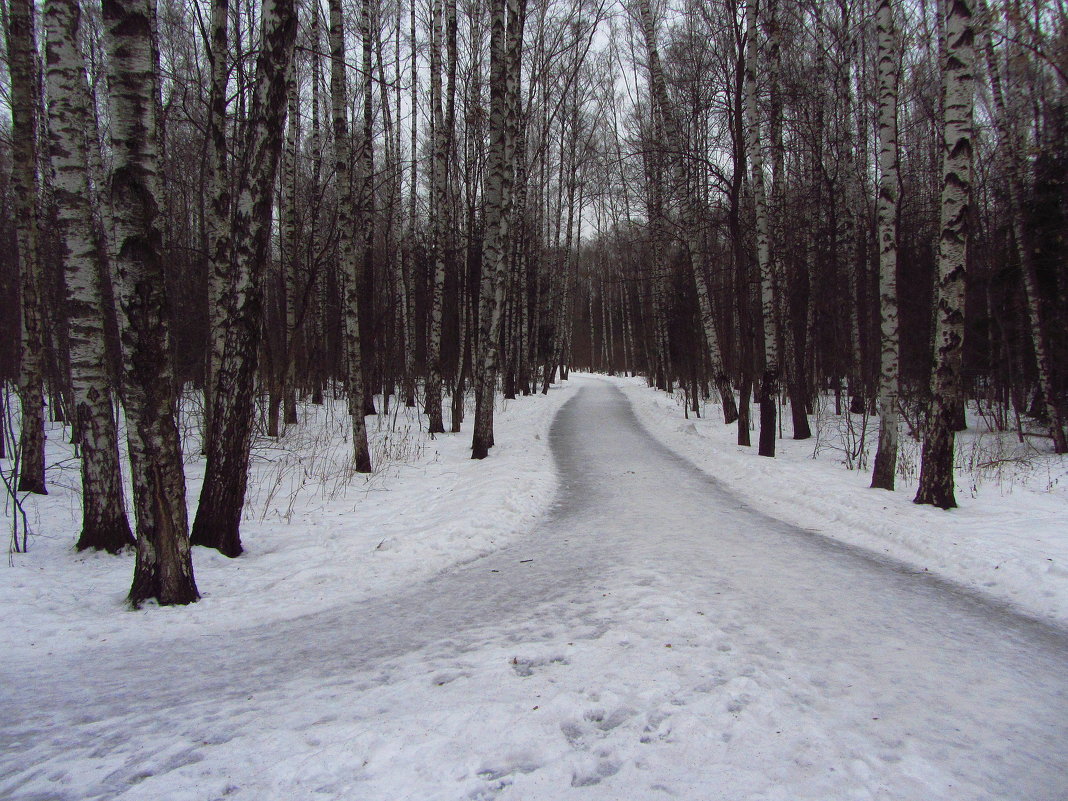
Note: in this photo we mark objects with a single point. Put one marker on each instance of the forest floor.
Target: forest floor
(596, 612)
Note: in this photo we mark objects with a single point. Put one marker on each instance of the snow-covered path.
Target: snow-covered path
(653, 638)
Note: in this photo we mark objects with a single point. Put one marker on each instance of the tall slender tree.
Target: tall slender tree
(689, 225)
(164, 568)
(438, 223)
(958, 80)
(889, 56)
(104, 522)
(217, 213)
(506, 46)
(22, 61)
(222, 498)
(1010, 139)
(770, 352)
(347, 186)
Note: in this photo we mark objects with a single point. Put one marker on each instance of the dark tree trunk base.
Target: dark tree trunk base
(113, 536)
(726, 396)
(222, 535)
(936, 470)
(802, 429)
(883, 474)
(32, 485)
(743, 412)
(767, 425)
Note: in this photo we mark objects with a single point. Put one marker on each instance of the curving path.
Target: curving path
(654, 637)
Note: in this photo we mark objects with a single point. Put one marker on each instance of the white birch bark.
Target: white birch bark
(691, 211)
(22, 49)
(290, 253)
(218, 519)
(104, 522)
(438, 224)
(936, 471)
(889, 57)
(217, 216)
(769, 382)
(1009, 135)
(164, 569)
(347, 236)
(506, 43)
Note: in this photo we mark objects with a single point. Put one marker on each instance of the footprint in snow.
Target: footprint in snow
(524, 666)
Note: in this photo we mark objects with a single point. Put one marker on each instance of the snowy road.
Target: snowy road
(653, 638)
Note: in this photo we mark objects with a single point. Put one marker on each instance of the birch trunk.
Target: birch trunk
(164, 569)
(22, 50)
(104, 522)
(936, 472)
(1009, 134)
(317, 351)
(407, 264)
(691, 212)
(769, 382)
(365, 214)
(218, 519)
(217, 216)
(347, 237)
(290, 258)
(506, 43)
(889, 56)
(438, 225)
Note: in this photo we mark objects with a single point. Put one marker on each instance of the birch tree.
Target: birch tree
(347, 236)
(769, 380)
(689, 224)
(217, 213)
(22, 61)
(1011, 141)
(506, 44)
(163, 570)
(936, 472)
(889, 57)
(218, 519)
(438, 224)
(104, 522)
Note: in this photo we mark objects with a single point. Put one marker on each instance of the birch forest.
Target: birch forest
(218, 212)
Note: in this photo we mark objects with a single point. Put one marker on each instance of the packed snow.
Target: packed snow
(586, 614)
(1008, 538)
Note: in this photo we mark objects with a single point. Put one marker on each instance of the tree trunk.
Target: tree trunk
(217, 215)
(889, 59)
(506, 43)
(691, 212)
(769, 382)
(290, 257)
(936, 472)
(104, 522)
(438, 224)
(1008, 133)
(218, 519)
(365, 216)
(347, 238)
(22, 52)
(164, 569)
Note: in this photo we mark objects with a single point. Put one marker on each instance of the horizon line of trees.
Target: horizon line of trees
(756, 200)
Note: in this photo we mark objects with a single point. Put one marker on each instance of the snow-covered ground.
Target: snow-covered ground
(1008, 538)
(315, 533)
(608, 626)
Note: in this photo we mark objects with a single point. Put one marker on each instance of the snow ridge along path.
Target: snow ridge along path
(654, 637)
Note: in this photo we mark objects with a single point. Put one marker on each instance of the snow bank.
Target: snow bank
(1008, 539)
(315, 533)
